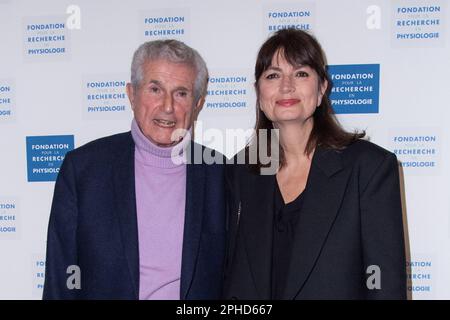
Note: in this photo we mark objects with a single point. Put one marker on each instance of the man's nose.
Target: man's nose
(168, 103)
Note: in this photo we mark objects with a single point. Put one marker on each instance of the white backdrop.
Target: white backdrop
(64, 64)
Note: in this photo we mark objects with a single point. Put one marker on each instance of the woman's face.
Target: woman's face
(289, 93)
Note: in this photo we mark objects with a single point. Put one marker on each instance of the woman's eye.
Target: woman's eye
(272, 76)
(302, 74)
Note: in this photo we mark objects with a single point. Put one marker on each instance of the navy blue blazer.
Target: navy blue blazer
(93, 225)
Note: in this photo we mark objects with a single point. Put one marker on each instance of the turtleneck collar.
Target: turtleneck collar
(149, 153)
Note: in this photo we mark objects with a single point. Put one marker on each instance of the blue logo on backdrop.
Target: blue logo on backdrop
(292, 19)
(355, 88)
(418, 23)
(419, 276)
(45, 155)
(38, 274)
(9, 216)
(46, 38)
(407, 19)
(417, 149)
(6, 101)
(97, 92)
(165, 24)
(105, 97)
(227, 92)
(300, 15)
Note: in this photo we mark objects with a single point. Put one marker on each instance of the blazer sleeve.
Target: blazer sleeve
(61, 236)
(382, 231)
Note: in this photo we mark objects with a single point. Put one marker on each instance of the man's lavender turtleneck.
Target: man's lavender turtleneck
(160, 202)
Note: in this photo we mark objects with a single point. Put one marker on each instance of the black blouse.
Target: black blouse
(285, 220)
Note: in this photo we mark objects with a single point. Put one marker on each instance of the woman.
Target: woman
(328, 223)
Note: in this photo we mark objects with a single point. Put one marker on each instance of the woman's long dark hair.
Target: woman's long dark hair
(300, 48)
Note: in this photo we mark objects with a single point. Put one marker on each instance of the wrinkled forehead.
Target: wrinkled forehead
(167, 72)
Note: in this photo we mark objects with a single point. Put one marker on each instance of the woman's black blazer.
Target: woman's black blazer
(349, 240)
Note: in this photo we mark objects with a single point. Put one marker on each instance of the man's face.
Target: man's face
(164, 101)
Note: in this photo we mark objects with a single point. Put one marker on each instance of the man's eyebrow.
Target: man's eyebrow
(181, 88)
(178, 88)
(160, 84)
(155, 82)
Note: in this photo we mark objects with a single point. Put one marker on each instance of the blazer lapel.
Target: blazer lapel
(257, 221)
(125, 201)
(195, 184)
(324, 192)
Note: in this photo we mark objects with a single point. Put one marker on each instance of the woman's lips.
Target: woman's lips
(287, 102)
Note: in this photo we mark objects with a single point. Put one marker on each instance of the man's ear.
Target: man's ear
(130, 94)
(198, 107)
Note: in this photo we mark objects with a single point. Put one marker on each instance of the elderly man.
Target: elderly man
(128, 222)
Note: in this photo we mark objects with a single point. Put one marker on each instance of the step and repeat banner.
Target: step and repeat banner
(64, 66)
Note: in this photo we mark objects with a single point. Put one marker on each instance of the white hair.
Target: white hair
(174, 51)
